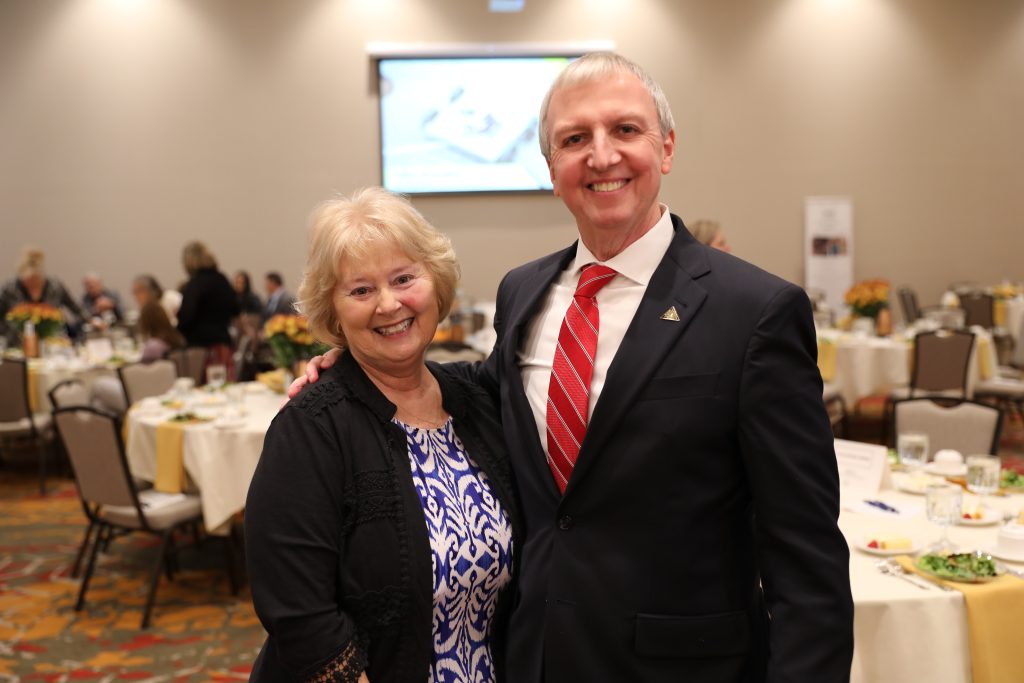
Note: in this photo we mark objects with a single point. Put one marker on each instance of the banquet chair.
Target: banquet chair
(941, 362)
(146, 379)
(17, 420)
(835, 406)
(978, 309)
(112, 503)
(451, 352)
(1006, 389)
(909, 306)
(190, 362)
(67, 393)
(966, 426)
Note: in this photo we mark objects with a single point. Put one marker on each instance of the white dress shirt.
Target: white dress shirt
(617, 303)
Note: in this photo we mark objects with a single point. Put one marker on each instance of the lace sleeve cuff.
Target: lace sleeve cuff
(346, 666)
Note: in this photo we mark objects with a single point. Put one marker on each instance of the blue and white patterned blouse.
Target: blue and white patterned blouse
(471, 549)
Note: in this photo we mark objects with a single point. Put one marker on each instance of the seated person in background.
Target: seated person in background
(98, 301)
(33, 286)
(279, 300)
(248, 300)
(710, 233)
(160, 337)
(145, 288)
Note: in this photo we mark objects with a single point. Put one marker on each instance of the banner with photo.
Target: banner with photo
(828, 249)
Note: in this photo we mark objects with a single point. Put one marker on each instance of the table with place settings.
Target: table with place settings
(215, 457)
(904, 632)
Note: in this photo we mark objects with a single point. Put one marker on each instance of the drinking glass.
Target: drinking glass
(216, 376)
(943, 505)
(983, 475)
(913, 449)
(236, 402)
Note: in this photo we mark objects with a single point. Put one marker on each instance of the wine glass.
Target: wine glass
(216, 376)
(983, 475)
(913, 449)
(943, 505)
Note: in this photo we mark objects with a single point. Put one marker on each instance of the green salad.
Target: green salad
(959, 566)
(1011, 479)
(188, 417)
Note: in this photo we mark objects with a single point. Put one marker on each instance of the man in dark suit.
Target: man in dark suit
(279, 300)
(688, 532)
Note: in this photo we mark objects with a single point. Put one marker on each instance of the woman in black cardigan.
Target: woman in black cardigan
(380, 521)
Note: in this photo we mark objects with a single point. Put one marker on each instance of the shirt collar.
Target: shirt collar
(639, 260)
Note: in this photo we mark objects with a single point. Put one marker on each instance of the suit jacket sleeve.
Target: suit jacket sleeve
(787, 445)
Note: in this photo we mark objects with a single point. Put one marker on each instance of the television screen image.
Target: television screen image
(463, 124)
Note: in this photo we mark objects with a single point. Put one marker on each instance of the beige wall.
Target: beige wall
(130, 126)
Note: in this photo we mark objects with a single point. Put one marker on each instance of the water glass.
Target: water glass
(912, 448)
(236, 401)
(983, 475)
(944, 506)
(216, 376)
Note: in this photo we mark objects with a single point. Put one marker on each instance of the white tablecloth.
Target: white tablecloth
(867, 366)
(51, 372)
(1015, 317)
(903, 633)
(220, 461)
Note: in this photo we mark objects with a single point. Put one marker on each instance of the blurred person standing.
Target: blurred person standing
(248, 300)
(208, 304)
(279, 300)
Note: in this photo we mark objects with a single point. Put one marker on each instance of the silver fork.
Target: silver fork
(893, 569)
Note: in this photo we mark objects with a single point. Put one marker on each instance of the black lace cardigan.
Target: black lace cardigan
(336, 542)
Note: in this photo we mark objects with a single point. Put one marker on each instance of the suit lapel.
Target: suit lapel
(528, 299)
(650, 336)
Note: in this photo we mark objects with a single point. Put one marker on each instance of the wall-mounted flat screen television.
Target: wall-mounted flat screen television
(465, 123)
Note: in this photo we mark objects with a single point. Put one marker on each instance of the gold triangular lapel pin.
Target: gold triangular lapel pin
(670, 314)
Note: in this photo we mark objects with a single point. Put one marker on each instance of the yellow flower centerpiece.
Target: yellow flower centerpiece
(47, 320)
(868, 298)
(290, 340)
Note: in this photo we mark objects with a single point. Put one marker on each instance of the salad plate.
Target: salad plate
(966, 567)
(915, 482)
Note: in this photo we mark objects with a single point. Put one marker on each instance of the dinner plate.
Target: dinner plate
(862, 545)
(1012, 557)
(989, 516)
(916, 485)
(1000, 570)
(946, 470)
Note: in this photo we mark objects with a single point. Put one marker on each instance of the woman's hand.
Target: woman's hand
(313, 367)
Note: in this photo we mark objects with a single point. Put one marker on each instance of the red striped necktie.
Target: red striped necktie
(569, 389)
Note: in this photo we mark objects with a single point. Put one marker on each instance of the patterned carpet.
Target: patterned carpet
(199, 632)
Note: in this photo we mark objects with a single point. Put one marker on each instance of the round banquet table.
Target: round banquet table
(219, 457)
(46, 373)
(901, 632)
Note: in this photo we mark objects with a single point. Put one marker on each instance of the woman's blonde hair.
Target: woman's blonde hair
(704, 231)
(196, 256)
(31, 263)
(352, 228)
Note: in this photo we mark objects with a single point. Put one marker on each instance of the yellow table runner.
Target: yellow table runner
(170, 457)
(33, 388)
(993, 625)
(826, 359)
(999, 312)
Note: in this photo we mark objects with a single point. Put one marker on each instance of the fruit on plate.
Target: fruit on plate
(974, 513)
(895, 543)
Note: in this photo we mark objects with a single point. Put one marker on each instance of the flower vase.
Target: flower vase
(883, 323)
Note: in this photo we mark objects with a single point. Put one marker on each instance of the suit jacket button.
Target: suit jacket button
(565, 523)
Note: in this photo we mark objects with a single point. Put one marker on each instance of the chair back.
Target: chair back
(451, 352)
(190, 362)
(966, 426)
(909, 306)
(978, 309)
(941, 361)
(14, 404)
(68, 393)
(92, 440)
(146, 379)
